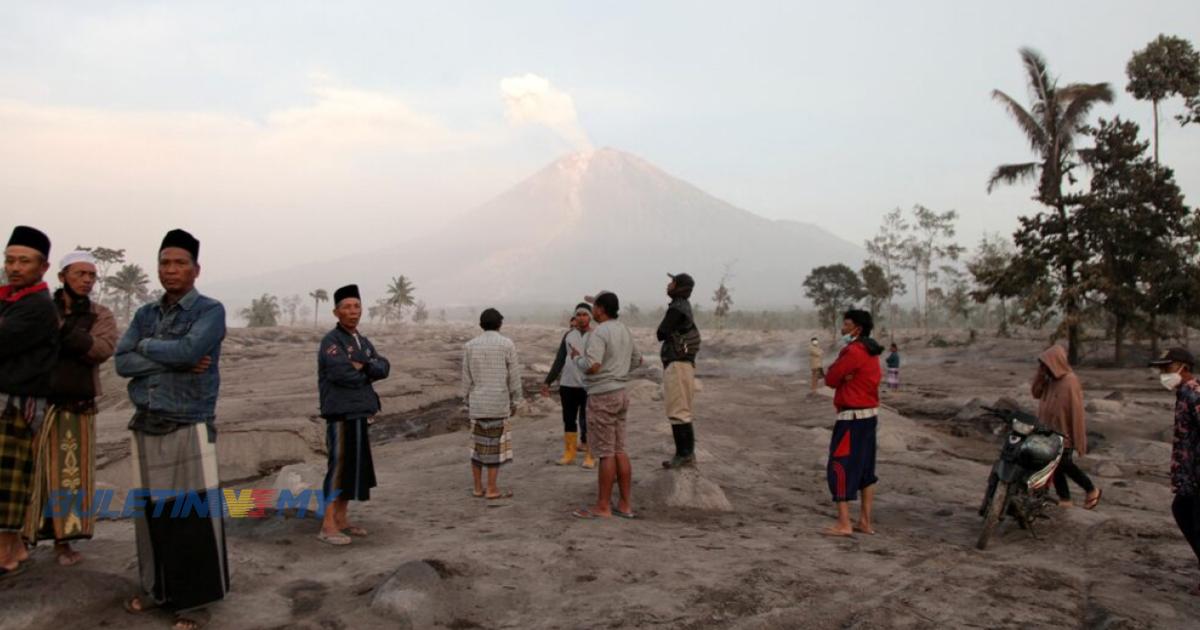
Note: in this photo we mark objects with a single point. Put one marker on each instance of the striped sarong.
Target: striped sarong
(351, 470)
(491, 441)
(18, 418)
(182, 559)
(893, 378)
(64, 471)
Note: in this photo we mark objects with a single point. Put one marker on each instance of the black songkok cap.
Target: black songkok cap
(348, 291)
(683, 280)
(182, 240)
(25, 236)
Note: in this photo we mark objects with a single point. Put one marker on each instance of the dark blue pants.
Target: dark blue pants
(851, 458)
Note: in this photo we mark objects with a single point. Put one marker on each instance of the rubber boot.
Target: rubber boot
(588, 461)
(689, 443)
(569, 449)
(677, 434)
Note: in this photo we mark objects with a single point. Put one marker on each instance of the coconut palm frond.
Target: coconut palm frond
(1040, 80)
(1077, 101)
(1029, 124)
(1013, 173)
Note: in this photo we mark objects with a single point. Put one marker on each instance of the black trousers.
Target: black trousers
(574, 408)
(1187, 515)
(1068, 468)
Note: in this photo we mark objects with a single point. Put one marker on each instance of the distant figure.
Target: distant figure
(28, 351)
(347, 368)
(855, 377)
(893, 367)
(608, 356)
(1177, 372)
(571, 392)
(63, 449)
(816, 363)
(680, 344)
(1061, 408)
(171, 353)
(492, 390)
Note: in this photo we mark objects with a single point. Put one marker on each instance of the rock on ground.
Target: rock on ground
(688, 488)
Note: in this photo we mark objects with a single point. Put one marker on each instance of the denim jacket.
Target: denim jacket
(159, 349)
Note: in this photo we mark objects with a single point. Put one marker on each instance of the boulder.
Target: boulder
(1118, 396)
(411, 596)
(297, 478)
(689, 489)
(1103, 406)
(1147, 453)
(970, 411)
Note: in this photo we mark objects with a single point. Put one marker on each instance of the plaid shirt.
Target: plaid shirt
(491, 376)
(1185, 452)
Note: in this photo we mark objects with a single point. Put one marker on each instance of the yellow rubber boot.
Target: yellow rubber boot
(588, 462)
(570, 442)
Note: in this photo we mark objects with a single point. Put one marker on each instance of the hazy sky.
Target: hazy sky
(286, 132)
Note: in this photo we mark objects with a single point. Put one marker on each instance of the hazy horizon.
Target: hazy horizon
(284, 134)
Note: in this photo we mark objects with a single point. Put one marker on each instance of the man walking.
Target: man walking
(680, 343)
(171, 353)
(1177, 372)
(608, 356)
(64, 447)
(571, 392)
(492, 390)
(28, 349)
(855, 377)
(347, 367)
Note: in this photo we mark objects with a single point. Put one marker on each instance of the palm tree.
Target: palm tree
(400, 295)
(129, 284)
(318, 296)
(1051, 125)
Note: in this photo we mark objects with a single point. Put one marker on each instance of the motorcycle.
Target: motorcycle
(1018, 483)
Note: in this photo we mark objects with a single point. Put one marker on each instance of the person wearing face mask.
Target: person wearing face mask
(1176, 373)
(64, 445)
(1060, 407)
(816, 364)
(855, 377)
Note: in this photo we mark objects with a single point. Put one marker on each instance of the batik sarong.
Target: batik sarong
(351, 471)
(182, 550)
(18, 418)
(491, 441)
(893, 378)
(63, 478)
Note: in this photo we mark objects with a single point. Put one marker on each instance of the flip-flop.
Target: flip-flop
(863, 531)
(1092, 503)
(143, 605)
(477, 495)
(833, 534)
(13, 572)
(355, 530)
(195, 619)
(336, 540)
(629, 515)
(587, 514)
(507, 494)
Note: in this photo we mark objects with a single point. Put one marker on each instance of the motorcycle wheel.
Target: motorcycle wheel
(994, 511)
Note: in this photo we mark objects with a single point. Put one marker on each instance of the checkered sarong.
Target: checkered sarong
(19, 415)
(491, 441)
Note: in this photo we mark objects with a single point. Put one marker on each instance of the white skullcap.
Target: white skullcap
(77, 256)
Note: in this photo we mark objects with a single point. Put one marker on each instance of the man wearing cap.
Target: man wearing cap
(608, 356)
(680, 342)
(571, 392)
(28, 349)
(1176, 372)
(347, 367)
(491, 376)
(855, 376)
(171, 353)
(63, 448)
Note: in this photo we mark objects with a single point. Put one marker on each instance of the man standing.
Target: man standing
(608, 356)
(492, 390)
(347, 367)
(28, 348)
(571, 391)
(171, 353)
(816, 364)
(855, 377)
(1177, 372)
(1060, 407)
(63, 448)
(680, 343)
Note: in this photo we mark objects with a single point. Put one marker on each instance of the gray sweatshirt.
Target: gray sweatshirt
(611, 345)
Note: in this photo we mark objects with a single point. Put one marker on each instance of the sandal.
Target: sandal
(191, 620)
(506, 494)
(339, 539)
(354, 530)
(137, 605)
(1092, 503)
(629, 515)
(587, 514)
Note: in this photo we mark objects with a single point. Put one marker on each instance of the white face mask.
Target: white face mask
(1171, 380)
(846, 339)
(815, 342)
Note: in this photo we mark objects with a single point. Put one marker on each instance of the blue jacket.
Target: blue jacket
(159, 349)
(346, 391)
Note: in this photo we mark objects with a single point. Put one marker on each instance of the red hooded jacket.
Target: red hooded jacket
(855, 375)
